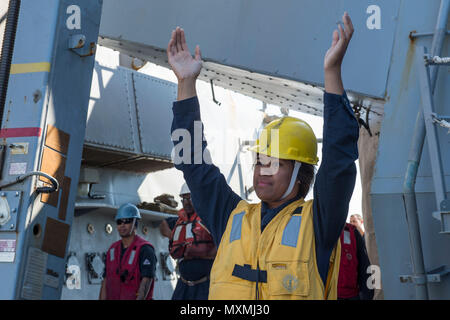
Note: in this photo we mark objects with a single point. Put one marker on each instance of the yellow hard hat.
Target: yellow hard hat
(288, 138)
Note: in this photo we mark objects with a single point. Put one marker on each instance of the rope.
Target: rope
(442, 123)
(437, 60)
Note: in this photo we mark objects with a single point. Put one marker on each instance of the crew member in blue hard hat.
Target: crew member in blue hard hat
(283, 247)
(130, 262)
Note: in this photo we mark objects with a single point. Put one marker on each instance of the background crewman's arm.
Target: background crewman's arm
(144, 288)
(147, 267)
(102, 295)
(164, 229)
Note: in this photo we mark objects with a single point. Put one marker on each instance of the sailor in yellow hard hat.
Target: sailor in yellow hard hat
(282, 247)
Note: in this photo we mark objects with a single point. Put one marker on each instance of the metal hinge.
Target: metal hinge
(434, 275)
(444, 216)
(77, 42)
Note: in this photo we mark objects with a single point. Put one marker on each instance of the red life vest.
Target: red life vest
(190, 238)
(348, 271)
(123, 276)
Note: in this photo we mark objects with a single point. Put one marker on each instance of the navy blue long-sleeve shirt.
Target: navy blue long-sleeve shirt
(214, 200)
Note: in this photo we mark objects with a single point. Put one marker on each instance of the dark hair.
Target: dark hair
(306, 176)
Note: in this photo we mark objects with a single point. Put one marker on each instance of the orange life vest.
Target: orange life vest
(191, 239)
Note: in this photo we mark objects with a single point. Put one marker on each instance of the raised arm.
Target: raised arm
(335, 55)
(213, 199)
(164, 229)
(336, 176)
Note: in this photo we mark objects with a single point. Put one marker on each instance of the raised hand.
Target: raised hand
(335, 55)
(339, 44)
(180, 59)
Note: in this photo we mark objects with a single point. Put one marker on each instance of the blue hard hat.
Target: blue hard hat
(128, 211)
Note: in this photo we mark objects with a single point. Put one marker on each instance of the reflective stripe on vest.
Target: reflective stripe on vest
(291, 231)
(189, 234)
(133, 253)
(347, 239)
(177, 232)
(236, 228)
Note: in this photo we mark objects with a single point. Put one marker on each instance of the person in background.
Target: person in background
(192, 245)
(353, 275)
(357, 221)
(130, 262)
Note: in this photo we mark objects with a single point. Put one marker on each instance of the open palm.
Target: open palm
(180, 59)
(335, 54)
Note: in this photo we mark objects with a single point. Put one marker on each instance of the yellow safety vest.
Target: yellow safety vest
(278, 263)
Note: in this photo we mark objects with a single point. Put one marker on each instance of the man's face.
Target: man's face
(124, 227)
(271, 178)
(187, 203)
(355, 221)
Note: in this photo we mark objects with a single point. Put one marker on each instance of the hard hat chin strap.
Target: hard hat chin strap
(297, 166)
(132, 228)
